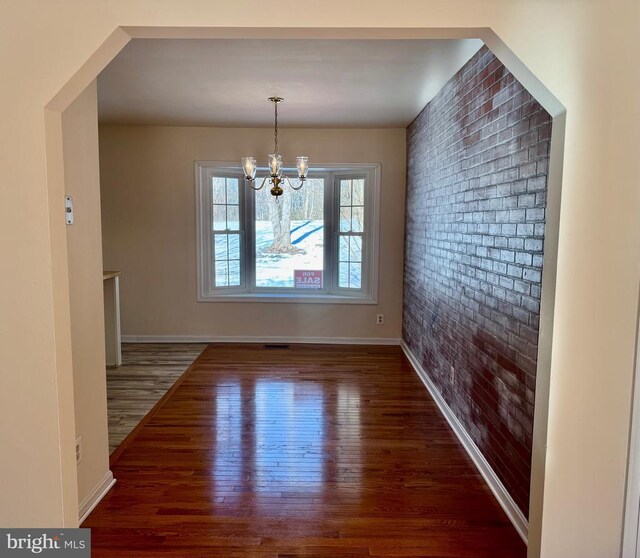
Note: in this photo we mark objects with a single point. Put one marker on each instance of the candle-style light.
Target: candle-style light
(276, 176)
(249, 167)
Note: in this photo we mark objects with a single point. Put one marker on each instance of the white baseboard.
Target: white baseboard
(495, 484)
(98, 493)
(259, 339)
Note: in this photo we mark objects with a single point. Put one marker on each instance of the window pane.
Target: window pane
(219, 217)
(234, 273)
(354, 276)
(345, 192)
(357, 219)
(233, 218)
(355, 253)
(345, 219)
(219, 190)
(289, 237)
(343, 275)
(226, 209)
(232, 191)
(234, 246)
(343, 249)
(220, 246)
(358, 192)
(226, 249)
(222, 274)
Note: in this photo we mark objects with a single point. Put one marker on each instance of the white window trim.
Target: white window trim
(207, 293)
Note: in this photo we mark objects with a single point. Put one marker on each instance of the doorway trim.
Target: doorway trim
(119, 38)
(631, 524)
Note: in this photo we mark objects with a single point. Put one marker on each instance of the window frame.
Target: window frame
(205, 232)
(365, 234)
(247, 291)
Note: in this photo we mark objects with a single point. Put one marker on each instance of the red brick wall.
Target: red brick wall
(477, 159)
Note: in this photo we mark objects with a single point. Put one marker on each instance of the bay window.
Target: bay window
(317, 244)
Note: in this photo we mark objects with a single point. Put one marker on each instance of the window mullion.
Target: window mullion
(207, 239)
(249, 237)
(330, 264)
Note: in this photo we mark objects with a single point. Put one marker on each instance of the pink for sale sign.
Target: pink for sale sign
(303, 279)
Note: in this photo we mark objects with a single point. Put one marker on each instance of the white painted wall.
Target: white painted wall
(82, 182)
(149, 229)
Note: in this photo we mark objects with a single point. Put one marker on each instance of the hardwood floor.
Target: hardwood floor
(309, 451)
(148, 371)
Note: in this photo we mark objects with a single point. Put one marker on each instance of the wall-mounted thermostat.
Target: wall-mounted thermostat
(68, 210)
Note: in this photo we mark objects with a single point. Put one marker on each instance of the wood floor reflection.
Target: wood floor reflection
(309, 451)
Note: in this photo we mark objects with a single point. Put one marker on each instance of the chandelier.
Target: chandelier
(276, 176)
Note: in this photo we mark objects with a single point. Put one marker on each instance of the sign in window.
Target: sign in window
(307, 279)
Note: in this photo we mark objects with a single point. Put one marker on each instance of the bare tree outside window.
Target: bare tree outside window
(280, 217)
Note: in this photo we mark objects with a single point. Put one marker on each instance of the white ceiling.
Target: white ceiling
(325, 83)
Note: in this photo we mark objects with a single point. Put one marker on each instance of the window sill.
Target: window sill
(288, 298)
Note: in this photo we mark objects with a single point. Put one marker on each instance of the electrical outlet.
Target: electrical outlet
(452, 377)
(78, 450)
(379, 319)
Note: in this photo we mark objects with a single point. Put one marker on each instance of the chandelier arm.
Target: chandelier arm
(259, 187)
(294, 187)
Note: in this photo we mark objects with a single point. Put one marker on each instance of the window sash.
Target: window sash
(226, 230)
(208, 231)
(364, 235)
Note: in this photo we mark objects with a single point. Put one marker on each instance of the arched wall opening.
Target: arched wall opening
(56, 188)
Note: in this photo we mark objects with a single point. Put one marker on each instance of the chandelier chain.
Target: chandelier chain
(276, 127)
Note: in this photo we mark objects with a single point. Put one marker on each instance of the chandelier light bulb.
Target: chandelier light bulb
(275, 164)
(249, 167)
(303, 167)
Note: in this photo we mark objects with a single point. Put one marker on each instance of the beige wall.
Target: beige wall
(82, 182)
(149, 230)
(581, 50)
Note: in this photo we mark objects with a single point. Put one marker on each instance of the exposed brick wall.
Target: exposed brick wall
(476, 198)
